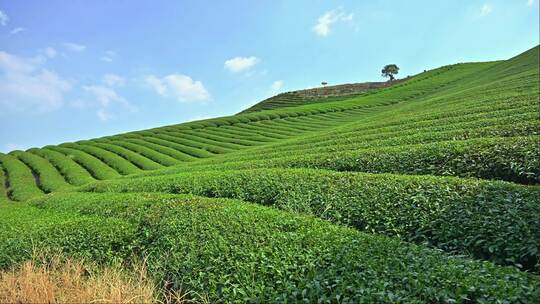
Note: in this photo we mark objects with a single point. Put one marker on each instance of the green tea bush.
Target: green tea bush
(195, 152)
(237, 252)
(74, 173)
(3, 191)
(181, 156)
(50, 179)
(21, 180)
(191, 143)
(247, 130)
(247, 134)
(511, 159)
(155, 156)
(120, 164)
(223, 138)
(421, 209)
(199, 139)
(376, 141)
(25, 229)
(135, 158)
(95, 167)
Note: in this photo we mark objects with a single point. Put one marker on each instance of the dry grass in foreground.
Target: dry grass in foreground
(68, 281)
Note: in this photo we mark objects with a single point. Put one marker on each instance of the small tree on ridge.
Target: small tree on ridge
(390, 70)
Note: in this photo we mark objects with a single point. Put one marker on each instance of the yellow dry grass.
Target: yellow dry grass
(68, 281)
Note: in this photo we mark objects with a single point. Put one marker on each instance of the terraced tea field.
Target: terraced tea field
(318, 95)
(426, 191)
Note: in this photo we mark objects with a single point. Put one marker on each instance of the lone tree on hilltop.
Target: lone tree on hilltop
(324, 83)
(390, 70)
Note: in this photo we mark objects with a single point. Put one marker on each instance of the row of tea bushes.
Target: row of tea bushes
(233, 251)
(495, 221)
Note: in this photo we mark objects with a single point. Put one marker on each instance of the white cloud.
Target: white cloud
(109, 56)
(104, 115)
(11, 64)
(531, 2)
(17, 30)
(49, 52)
(485, 10)
(179, 86)
(157, 84)
(74, 47)
(3, 18)
(26, 85)
(113, 80)
(239, 64)
(104, 95)
(348, 17)
(277, 85)
(325, 22)
(79, 104)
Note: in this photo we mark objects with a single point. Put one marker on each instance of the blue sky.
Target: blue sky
(72, 70)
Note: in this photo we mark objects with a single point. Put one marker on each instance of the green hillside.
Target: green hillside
(321, 94)
(426, 191)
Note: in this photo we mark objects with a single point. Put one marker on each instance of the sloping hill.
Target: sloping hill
(322, 94)
(363, 199)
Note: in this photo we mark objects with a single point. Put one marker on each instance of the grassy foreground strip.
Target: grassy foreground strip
(495, 221)
(219, 247)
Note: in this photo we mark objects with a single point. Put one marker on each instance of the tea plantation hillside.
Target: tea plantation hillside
(317, 95)
(426, 191)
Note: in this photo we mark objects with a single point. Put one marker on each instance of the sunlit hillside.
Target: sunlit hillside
(423, 191)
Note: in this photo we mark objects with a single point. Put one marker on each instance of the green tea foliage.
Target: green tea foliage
(49, 177)
(21, 180)
(74, 173)
(238, 252)
(456, 215)
(388, 196)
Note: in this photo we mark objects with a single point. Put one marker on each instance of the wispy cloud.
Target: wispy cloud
(181, 87)
(74, 47)
(25, 85)
(113, 80)
(531, 2)
(239, 64)
(3, 18)
(325, 22)
(49, 52)
(17, 30)
(277, 85)
(486, 9)
(103, 115)
(104, 95)
(108, 56)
